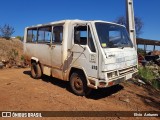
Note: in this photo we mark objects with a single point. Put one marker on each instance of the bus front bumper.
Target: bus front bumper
(96, 83)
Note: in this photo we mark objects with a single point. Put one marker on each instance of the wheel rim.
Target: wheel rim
(78, 85)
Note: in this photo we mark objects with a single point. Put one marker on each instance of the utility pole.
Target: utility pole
(130, 21)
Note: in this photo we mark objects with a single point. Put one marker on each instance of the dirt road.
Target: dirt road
(20, 92)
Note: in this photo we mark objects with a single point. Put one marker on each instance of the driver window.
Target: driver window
(80, 35)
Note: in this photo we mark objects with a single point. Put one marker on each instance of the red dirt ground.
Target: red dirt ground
(20, 92)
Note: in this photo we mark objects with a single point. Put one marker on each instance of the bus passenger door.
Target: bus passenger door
(56, 51)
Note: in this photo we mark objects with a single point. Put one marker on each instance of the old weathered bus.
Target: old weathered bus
(88, 54)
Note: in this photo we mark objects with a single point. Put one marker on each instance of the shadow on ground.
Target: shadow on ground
(54, 81)
(105, 92)
(95, 94)
(150, 101)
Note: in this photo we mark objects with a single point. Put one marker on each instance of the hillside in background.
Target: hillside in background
(11, 51)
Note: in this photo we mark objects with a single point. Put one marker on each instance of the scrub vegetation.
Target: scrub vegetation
(11, 52)
(150, 74)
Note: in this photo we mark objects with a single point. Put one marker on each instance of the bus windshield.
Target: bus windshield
(112, 35)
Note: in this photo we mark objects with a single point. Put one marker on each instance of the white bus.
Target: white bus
(88, 54)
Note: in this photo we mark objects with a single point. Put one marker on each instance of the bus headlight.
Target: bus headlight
(112, 74)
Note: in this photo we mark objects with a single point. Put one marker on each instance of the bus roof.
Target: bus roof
(73, 21)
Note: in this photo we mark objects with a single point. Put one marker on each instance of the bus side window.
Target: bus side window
(32, 35)
(57, 34)
(44, 34)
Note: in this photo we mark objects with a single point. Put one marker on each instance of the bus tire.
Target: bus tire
(78, 84)
(36, 72)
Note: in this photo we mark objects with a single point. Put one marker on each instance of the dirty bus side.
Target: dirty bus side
(88, 54)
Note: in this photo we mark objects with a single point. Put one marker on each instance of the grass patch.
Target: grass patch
(147, 75)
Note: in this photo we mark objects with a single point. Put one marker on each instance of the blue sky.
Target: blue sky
(22, 13)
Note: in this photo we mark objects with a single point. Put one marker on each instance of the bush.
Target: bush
(19, 37)
(148, 75)
(141, 51)
(13, 56)
(6, 31)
